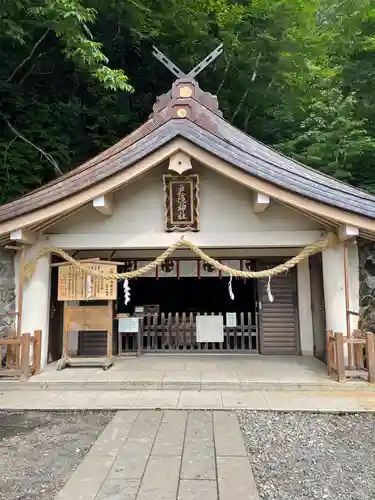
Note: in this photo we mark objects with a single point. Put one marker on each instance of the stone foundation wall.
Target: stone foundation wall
(7, 289)
(366, 253)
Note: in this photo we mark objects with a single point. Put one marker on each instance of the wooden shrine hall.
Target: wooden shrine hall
(190, 236)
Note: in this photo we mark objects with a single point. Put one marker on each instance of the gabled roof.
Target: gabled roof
(194, 115)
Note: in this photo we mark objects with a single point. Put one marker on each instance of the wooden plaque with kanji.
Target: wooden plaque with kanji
(181, 202)
(76, 284)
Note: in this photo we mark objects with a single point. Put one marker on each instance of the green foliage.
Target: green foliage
(332, 139)
(297, 74)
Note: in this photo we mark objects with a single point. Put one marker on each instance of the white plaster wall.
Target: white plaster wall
(36, 299)
(334, 286)
(225, 209)
(227, 219)
(304, 309)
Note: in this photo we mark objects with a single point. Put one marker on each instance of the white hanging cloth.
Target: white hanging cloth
(127, 294)
(269, 291)
(89, 286)
(230, 289)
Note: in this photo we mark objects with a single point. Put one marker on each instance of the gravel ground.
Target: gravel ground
(304, 456)
(39, 451)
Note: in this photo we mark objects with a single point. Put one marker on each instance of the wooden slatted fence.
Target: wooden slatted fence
(168, 332)
(27, 360)
(364, 355)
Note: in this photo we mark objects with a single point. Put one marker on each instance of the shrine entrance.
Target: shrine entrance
(168, 309)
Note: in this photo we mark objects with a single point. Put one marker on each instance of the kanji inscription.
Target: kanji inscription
(181, 202)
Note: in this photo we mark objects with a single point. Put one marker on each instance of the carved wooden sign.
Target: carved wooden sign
(181, 202)
(76, 284)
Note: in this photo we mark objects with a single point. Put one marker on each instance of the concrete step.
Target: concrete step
(116, 385)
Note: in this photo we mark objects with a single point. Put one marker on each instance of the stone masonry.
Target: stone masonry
(7, 292)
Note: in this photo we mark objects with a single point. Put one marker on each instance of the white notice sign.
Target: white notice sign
(231, 319)
(210, 329)
(128, 325)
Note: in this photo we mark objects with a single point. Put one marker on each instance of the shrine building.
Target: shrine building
(188, 172)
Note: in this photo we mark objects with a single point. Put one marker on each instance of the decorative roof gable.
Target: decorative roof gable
(194, 115)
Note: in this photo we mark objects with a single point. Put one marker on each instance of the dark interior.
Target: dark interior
(172, 295)
(205, 295)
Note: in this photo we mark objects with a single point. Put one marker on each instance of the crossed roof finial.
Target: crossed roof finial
(195, 71)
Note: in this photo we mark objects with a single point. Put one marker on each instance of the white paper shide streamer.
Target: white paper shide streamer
(89, 286)
(230, 289)
(269, 291)
(126, 291)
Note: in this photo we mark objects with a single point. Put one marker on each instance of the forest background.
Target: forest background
(77, 75)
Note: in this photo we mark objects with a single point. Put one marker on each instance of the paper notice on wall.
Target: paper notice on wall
(210, 328)
(128, 325)
(231, 319)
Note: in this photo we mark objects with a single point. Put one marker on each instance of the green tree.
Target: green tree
(296, 74)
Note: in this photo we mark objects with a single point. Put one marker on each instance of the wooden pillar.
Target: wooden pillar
(21, 284)
(339, 338)
(330, 351)
(347, 306)
(370, 348)
(37, 351)
(110, 330)
(25, 356)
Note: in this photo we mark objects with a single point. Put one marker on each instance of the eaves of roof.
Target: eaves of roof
(205, 128)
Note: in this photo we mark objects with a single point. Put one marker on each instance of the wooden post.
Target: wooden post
(370, 347)
(110, 330)
(37, 351)
(25, 356)
(140, 336)
(347, 305)
(358, 350)
(65, 331)
(21, 283)
(330, 352)
(340, 361)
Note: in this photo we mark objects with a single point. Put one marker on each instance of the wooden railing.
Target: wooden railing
(168, 332)
(27, 357)
(363, 348)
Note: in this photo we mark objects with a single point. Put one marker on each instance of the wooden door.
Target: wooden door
(278, 320)
(318, 306)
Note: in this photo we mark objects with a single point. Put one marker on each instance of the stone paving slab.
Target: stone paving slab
(175, 416)
(119, 489)
(193, 372)
(160, 481)
(197, 490)
(165, 455)
(170, 439)
(198, 460)
(200, 399)
(131, 461)
(199, 425)
(283, 400)
(228, 436)
(87, 479)
(115, 434)
(235, 479)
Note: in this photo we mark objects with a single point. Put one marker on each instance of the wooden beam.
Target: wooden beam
(348, 232)
(104, 204)
(260, 202)
(23, 237)
(162, 240)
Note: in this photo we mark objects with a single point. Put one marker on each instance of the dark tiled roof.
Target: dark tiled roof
(205, 127)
